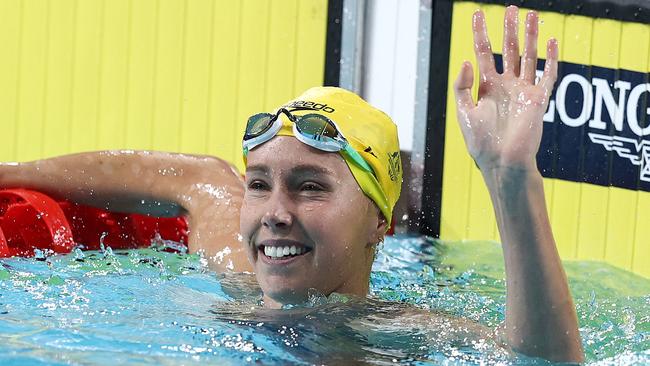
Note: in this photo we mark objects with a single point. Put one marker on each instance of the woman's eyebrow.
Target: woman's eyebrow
(296, 170)
(263, 169)
(311, 169)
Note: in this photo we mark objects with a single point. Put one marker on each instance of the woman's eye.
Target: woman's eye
(311, 187)
(257, 185)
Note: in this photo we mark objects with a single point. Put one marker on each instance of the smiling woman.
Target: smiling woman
(311, 219)
(326, 213)
(300, 206)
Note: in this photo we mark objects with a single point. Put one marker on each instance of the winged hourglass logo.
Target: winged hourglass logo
(637, 152)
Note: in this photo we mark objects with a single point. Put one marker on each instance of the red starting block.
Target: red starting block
(31, 220)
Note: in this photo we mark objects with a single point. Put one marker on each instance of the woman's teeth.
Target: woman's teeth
(279, 252)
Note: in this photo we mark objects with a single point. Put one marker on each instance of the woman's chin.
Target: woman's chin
(276, 296)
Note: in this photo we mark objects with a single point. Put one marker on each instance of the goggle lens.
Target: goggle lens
(258, 124)
(317, 126)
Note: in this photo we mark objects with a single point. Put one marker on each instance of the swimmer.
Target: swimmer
(322, 177)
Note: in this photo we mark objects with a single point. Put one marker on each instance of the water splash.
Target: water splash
(152, 306)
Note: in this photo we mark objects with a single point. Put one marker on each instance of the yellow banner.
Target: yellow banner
(144, 74)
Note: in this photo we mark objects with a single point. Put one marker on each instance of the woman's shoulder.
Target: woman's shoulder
(437, 328)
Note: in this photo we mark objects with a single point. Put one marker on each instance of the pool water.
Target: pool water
(155, 307)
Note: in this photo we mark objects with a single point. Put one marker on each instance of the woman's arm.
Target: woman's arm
(207, 190)
(502, 133)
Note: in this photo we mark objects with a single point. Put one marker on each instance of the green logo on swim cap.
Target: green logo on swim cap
(394, 165)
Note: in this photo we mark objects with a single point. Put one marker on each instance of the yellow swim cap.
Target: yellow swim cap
(368, 130)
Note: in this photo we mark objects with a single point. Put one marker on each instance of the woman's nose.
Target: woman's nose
(277, 217)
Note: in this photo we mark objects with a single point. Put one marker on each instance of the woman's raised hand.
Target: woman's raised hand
(503, 131)
(504, 128)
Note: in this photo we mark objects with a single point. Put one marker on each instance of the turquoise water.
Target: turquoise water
(153, 307)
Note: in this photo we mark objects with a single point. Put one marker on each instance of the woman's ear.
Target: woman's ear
(381, 227)
(378, 226)
(382, 224)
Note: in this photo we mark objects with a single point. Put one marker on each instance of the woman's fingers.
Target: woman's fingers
(463, 87)
(550, 68)
(529, 58)
(511, 41)
(482, 47)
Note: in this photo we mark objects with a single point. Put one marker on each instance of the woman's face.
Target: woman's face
(306, 222)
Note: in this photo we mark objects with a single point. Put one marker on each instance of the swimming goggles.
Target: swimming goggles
(312, 129)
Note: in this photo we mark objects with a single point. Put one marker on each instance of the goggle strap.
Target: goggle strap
(357, 158)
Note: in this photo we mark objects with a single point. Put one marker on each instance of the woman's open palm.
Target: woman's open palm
(504, 128)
